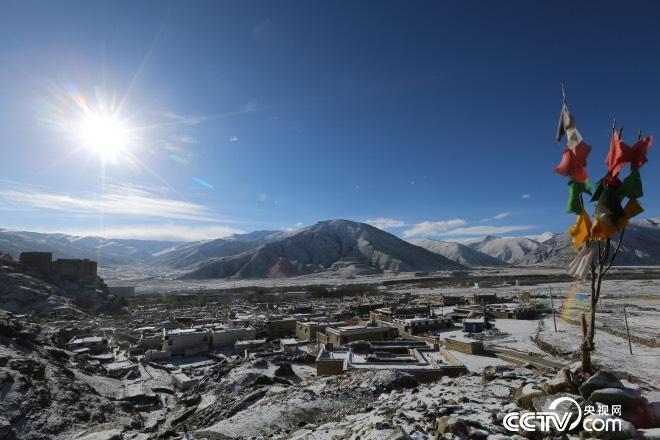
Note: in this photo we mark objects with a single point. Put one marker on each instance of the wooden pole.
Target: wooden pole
(625, 318)
(552, 306)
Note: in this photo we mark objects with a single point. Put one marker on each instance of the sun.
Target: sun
(104, 134)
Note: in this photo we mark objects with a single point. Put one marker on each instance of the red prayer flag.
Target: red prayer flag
(618, 154)
(637, 153)
(574, 162)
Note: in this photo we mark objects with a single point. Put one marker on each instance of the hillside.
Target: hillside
(341, 246)
(511, 250)
(190, 255)
(25, 291)
(104, 250)
(640, 247)
(458, 252)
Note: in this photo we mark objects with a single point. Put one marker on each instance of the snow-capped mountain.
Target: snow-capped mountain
(189, 255)
(340, 246)
(542, 238)
(508, 249)
(640, 247)
(106, 251)
(458, 252)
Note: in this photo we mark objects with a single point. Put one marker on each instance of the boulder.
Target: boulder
(628, 398)
(284, 370)
(644, 416)
(399, 434)
(452, 425)
(28, 367)
(478, 434)
(493, 372)
(650, 434)
(7, 432)
(542, 404)
(99, 432)
(564, 381)
(594, 423)
(602, 379)
(525, 395)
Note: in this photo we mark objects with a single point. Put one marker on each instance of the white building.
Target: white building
(228, 336)
(187, 342)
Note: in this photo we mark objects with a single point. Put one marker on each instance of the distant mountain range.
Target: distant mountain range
(106, 251)
(341, 247)
(345, 247)
(458, 252)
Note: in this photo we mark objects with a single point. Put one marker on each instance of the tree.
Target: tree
(593, 240)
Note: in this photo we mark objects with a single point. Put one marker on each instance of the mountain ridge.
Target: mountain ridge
(343, 246)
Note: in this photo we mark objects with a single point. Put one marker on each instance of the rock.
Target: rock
(28, 367)
(602, 379)
(493, 372)
(392, 380)
(542, 404)
(260, 363)
(590, 422)
(628, 398)
(644, 416)
(650, 434)
(452, 425)
(284, 370)
(7, 432)
(99, 433)
(57, 354)
(399, 434)
(525, 394)
(262, 379)
(564, 381)
(383, 425)
(478, 434)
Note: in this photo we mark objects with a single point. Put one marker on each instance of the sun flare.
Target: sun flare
(104, 134)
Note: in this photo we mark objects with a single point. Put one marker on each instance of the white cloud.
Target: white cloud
(526, 196)
(433, 228)
(487, 230)
(233, 139)
(115, 201)
(158, 232)
(385, 223)
(499, 216)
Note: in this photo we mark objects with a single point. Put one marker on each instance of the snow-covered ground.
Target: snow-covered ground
(611, 351)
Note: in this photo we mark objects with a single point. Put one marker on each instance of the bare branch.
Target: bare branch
(616, 251)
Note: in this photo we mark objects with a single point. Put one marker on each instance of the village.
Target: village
(189, 364)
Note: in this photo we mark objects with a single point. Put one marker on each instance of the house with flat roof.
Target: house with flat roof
(343, 335)
(416, 326)
(251, 345)
(228, 336)
(482, 298)
(511, 311)
(90, 344)
(187, 342)
(463, 344)
(414, 357)
(387, 314)
(307, 330)
(474, 325)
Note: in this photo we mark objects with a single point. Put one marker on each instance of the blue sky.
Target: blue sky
(434, 118)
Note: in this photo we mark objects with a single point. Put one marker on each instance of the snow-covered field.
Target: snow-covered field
(611, 351)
